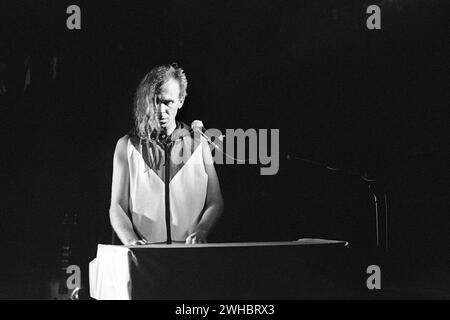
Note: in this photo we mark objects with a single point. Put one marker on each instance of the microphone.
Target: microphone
(363, 175)
(197, 125)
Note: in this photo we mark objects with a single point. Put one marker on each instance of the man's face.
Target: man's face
(167, 103)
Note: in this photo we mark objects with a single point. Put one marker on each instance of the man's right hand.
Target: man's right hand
(138, 243)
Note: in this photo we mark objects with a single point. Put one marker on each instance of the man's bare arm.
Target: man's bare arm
(214, 201)
(120, 195)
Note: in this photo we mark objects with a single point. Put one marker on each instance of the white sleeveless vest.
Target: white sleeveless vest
(182, 174)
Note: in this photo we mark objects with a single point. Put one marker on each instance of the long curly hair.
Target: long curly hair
(145, 108)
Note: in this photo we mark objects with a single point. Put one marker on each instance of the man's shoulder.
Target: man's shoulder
(182, 125)
(182, 131)
(129, 136)
(121, 147)
(123, 141)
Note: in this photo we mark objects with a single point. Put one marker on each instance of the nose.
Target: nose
(163, 111)
(162, 108)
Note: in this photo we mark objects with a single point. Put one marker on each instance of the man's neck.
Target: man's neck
(171, 129)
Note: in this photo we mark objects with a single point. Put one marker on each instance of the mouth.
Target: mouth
(164, 121)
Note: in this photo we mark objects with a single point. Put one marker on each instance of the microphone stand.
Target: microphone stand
(377, 191)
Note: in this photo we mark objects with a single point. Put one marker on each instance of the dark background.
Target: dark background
(372, 102)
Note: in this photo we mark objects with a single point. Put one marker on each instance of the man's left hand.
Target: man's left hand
(196, 237)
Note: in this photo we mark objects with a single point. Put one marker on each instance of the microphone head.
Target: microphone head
(197, 125)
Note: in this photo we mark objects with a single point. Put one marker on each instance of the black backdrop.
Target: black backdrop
(368, 101)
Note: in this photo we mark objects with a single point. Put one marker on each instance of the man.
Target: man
(164, 185)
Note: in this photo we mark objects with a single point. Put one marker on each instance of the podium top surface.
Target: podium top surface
(300, 242)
